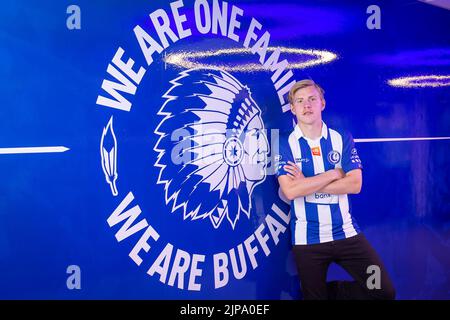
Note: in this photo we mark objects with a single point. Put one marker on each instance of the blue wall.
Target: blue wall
(54, 206)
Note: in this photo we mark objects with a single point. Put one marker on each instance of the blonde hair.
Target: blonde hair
(303, 84)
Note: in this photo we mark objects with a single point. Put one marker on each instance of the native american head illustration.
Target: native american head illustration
(212, 147)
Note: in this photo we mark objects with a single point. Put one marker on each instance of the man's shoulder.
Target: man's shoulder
(343, 132)
(285, 133)
(285, 137)
(283, 141)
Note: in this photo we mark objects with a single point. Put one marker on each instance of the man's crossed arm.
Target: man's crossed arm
(334, 181)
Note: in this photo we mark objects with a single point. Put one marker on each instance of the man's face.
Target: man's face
(308, 105)
(256, 148)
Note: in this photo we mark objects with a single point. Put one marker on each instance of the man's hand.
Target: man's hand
(350, 183)
(294, 184)
(340, 173)
(293, 171)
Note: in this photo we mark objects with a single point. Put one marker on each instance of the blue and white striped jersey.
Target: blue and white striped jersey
(319, 217)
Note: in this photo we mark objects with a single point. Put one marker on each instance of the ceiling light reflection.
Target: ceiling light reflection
(186, 59)
(421, 81)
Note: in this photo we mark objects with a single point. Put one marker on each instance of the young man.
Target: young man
(317, 168)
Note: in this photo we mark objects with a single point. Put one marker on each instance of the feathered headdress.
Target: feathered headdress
(206, 113)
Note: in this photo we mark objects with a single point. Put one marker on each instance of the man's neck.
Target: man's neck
(311, 131)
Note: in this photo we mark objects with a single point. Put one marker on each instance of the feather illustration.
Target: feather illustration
(108, 152)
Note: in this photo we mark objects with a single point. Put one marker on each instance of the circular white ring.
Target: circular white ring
(233, 151)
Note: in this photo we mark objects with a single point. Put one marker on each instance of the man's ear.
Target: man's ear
(323, 104)
(292, 109)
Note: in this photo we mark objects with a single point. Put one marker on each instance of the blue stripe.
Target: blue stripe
(312, 229)
(355, 225)
(280, 168)
(285, 153)
(307, 167)
(337, 222)
(293, 222)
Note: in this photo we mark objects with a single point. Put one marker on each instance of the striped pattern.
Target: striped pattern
(319, 217)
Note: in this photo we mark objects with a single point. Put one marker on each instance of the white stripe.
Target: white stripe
(300, 221)
(400, 139)
(33, 150)
(347, 224)
(337, 144)
(318, 160)
(325, 223)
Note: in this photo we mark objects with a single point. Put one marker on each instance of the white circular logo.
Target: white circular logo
(334, 157)
(233, 151)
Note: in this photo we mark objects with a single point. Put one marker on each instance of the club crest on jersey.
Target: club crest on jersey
(334, 157)
(211, 141)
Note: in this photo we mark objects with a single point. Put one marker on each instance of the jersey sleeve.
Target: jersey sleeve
(350, 157)
(282, 156)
